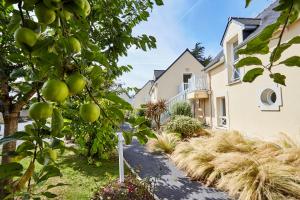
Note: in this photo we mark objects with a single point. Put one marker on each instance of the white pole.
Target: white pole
(121, 161)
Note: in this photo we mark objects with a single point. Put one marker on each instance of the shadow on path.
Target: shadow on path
(171, 183)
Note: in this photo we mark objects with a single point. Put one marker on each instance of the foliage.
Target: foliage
(247, 169)
(165, 142)
(184, 125)
(132, 189)
(198, 52)
(155, 110)
(289, 13)
(181, 108)
(141, 112)
(73, 38)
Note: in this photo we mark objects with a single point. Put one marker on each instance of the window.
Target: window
(235, 55)
(186, 78)
(221, 110)
(235, 71)
(270, 99)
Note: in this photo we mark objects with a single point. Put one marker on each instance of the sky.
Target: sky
(178, 25)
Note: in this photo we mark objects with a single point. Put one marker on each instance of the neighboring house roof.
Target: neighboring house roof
(215, 60)
(187, 50)
(150, 81)
(158, 73)
(265, 18)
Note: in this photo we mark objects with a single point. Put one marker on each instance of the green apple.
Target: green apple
(55, 90)
(44, 14)
(89, 112)
(74, 45)
(76, 83)
(40, 111)
(25, 37)
(68, 15)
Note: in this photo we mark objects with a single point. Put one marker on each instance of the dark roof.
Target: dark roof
(242, 20)
(187, 50)
(215, 60)
(247, 21)
(265, 18)
(268, 17)
(158, 73)
(150, 81)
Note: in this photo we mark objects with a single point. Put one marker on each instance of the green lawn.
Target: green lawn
(83, 179)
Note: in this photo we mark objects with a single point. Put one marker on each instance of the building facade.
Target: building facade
(262, 108)
(217, 94)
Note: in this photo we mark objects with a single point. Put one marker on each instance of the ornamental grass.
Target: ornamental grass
(165, 142)
(247, 169)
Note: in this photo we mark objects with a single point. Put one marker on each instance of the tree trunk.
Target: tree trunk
(10, 127)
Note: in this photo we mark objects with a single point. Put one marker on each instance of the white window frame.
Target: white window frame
(235, 71)
(222, 120)
(186, 85)
(270, 107)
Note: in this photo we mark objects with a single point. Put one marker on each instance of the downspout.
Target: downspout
(210, 99)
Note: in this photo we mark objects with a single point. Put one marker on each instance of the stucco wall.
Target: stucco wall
(218, 79)
(243, 99)
(143, 96)
(245, 115)
(167, 84)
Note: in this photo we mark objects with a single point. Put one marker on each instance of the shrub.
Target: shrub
(247, 169)
(141, 112)
(181, 108)
(184, 125)
(165, 142)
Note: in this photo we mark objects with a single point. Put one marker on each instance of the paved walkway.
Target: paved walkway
(171, 183)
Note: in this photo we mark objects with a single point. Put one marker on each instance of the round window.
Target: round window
(268, 96)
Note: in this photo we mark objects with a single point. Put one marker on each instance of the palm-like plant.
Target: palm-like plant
(154, 111)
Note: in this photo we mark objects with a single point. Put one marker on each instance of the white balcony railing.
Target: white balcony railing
(195, 83)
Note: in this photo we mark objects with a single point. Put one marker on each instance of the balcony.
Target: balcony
(196, 88)
(196, 83)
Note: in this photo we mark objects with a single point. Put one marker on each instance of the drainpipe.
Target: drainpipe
(210, 99)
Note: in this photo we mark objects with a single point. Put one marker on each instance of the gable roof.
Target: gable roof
(252, 22)
(187, 50)
(150, 81)
(158, 73)
(266, 17)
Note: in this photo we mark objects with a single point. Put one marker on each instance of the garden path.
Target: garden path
(170, 183)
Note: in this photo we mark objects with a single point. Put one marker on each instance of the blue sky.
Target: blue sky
(178, 25)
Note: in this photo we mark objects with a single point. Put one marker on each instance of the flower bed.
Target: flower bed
(132, 189)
